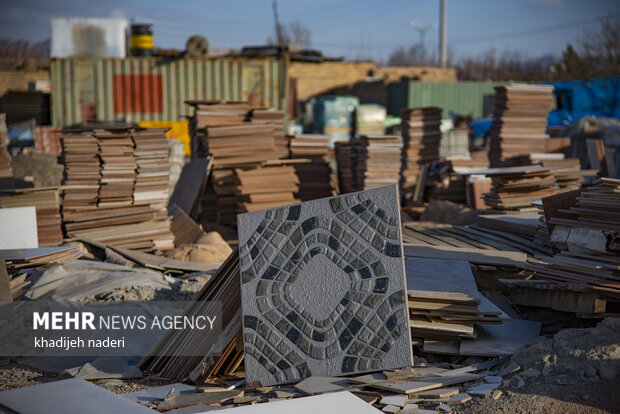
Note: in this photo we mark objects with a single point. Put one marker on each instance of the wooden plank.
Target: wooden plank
(477, 256)
(5, 286)
(412, 387)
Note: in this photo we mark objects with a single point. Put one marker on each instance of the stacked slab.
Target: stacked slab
(315, 176)
(519, 122)
(421, 138)
(382, 160)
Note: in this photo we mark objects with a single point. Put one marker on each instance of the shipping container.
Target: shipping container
(464, 98)
(154, 89)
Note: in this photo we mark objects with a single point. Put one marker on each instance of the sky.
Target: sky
(353, 29)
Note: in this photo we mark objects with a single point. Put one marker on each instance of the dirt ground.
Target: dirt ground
(535, 397)
(602, 397)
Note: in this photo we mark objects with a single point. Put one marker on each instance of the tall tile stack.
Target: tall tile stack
(47, 204)
(382, 160)
(153, 164)
(222, 130)
(99, 199)
(422, 136)
(82, 170)
(350, 160)
(315, 177)
(519, 122)
(118, 168)
(5, 158)
(270, 116)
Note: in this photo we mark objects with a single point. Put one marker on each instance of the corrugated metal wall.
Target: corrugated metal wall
(153, 89)
(464, 98)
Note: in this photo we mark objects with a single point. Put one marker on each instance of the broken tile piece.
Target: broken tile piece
(321, 385)
(438, 393)
(493, 379)
(459, 398)
(398, 400)
(496, 394)
(444, 408)
(322, 285)
(391, 409)
(482, 389)
(509, 369)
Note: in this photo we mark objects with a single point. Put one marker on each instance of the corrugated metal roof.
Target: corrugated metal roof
(154, 89)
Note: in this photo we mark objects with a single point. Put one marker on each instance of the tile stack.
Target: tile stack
(519, 122)
(99, 200)
(118, 168)
(212, 113)
(422, 136)
(315, 177)
(350, 160)
(47, 204)
(221, 129)
(584, 228)
(266, 187)
(82, 170)
(253, 188)
(382, 160)
(270, 116)
(445, 305)
(513, 189)
(153, 165)
(5, 158)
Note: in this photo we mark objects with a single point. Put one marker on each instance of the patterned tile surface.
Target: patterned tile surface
(323, 288)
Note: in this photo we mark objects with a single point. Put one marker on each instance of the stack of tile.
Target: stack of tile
(212, 113)
(111, 213)
(382, 160)
(445, 304)
(350, 160)
(243, 143)
(519, 122)
(82, 170)
(153, 164)
(315, 179)
(47, 204)
(193, 353)
(422, 136)
(270, 116)
(584, 227)
(266, 187)
(118, 168)
(513, 189)
(5, 158)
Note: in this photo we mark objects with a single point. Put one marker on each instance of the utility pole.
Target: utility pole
(422, 32)
(277, 22)
(443, 39)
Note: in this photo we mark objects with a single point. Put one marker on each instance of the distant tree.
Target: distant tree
(600, 49)
(295, 34)
(574, 65)
(411, 56)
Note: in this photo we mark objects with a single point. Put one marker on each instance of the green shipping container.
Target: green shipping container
(154, 89)
(464, 98)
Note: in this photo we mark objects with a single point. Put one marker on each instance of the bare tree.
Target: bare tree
(411, 56)
(295, 34)
(600, 48)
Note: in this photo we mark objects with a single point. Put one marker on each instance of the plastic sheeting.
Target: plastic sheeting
(83, 279)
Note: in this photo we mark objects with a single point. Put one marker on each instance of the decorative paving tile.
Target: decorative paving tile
(323, 288)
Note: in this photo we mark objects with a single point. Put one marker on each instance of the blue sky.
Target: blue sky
(350, 28)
